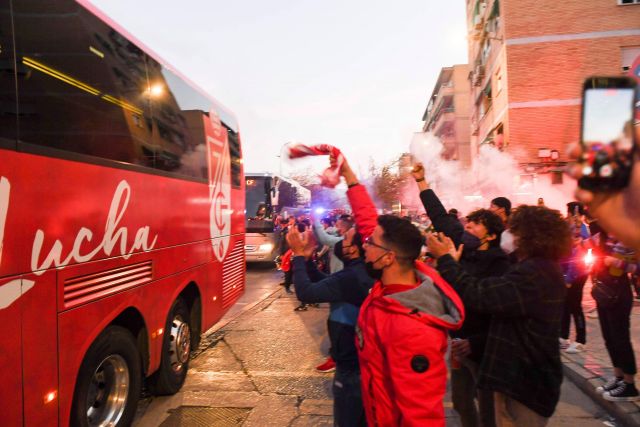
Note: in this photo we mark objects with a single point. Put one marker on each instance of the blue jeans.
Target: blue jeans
(347, 399)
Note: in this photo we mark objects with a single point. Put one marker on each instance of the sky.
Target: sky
(356, 74)
(606, 113)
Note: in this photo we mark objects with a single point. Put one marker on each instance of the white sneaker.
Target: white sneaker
(564, 343)
(575, 347)
(611, 384)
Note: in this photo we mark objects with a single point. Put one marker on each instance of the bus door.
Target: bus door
(40, 348)
(11, 289)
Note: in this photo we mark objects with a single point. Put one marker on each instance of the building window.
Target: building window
(498, 81)
(485, 99)
(486, 50)
(629, 55)
(478, 14)
(623, 2)
(493, 21)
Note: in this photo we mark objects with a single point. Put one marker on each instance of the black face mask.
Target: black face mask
(470, 241)
(374, 273)
(337, 251)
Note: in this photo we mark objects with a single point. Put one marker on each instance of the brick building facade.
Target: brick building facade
(528, 61)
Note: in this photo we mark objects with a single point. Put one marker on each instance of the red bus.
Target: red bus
(121, 217)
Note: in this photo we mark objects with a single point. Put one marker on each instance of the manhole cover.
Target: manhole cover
(196, 416)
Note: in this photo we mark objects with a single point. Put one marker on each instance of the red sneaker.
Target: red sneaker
(328, 366)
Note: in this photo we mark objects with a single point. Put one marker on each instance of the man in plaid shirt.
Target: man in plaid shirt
(521, 364)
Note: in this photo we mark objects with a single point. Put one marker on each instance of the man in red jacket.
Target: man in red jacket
(403, 324)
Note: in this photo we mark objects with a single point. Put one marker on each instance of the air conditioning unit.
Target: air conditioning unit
(478, 75)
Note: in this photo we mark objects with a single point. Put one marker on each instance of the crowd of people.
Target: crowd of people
(495, 290)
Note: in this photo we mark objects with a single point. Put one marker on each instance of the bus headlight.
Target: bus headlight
(266, 247)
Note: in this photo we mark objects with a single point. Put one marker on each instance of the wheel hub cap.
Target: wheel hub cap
(180, 343)
(107, 396)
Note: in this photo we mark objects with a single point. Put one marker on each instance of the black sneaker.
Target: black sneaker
(613, 382)
(625, 392)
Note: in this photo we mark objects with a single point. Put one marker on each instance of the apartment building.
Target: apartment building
(527, 64)
(447, 113)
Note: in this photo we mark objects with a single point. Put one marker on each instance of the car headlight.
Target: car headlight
(266, 247)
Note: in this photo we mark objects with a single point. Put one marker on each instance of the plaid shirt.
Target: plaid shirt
(522, 356)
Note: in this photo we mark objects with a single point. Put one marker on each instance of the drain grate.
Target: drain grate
(201, 416)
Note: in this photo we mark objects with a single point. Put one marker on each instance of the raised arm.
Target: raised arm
(364, 211)
(323, 237)
(329, 289)
(442, 222)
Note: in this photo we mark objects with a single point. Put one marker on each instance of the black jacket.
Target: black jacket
(522, 356)
(441, 220)
(481, 264)
(349, 287)
(489, 263)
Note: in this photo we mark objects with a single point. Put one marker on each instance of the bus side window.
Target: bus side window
(81, 84)
(8, 101)
(179, 113)
(236, 159)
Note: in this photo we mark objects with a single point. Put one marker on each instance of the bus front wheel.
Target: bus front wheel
(109, 381)
(176, 349)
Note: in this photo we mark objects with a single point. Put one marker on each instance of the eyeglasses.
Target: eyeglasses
(369, 241)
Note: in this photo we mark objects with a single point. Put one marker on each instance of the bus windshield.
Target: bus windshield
(259, 216)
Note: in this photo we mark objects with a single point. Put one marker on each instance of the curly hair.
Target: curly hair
(541, 232)
(403, 237)
(491, 222)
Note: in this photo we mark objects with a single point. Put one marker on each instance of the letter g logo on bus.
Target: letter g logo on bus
(220, 195)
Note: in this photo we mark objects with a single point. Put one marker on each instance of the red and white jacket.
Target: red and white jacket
(402, 339)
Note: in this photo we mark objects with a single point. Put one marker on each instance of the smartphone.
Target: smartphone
(607, 134)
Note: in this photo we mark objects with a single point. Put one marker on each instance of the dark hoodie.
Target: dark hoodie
(481, 264)
(492, 262)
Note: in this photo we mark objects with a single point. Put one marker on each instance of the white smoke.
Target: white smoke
(494, 173)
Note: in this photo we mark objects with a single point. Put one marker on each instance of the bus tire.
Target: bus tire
(176, 349)
(109, 381)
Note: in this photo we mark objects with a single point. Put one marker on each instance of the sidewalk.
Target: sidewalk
(591, 368)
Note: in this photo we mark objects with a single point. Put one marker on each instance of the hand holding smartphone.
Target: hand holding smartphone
(607, 133)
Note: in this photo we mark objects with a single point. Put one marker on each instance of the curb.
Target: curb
(226, 320)
(626, 413)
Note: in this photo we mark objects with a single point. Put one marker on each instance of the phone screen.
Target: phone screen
(607, 137)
